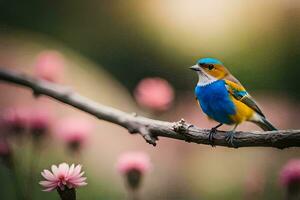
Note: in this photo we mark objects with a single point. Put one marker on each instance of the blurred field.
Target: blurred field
(109, 46)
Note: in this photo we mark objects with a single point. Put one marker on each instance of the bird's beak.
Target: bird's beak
(195, 68)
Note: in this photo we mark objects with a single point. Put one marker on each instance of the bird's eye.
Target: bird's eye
(210, 67)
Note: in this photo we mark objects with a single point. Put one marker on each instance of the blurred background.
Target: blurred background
(114, 51)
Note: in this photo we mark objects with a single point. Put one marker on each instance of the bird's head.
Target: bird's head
(209, 70)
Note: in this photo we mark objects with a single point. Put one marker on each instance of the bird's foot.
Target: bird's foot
(211, 136)
(229, 138)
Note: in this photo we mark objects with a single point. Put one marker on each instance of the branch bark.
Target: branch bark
(151, 129)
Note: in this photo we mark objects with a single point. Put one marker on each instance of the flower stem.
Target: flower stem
(134, 195)
(17, 186)
(33, 165)
(293, 191)
(67, 194)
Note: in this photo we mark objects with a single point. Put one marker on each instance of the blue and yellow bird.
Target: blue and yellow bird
(224, 99)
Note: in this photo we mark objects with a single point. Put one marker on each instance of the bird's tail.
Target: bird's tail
(265, 124)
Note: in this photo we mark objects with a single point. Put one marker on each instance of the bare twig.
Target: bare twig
(151, 129)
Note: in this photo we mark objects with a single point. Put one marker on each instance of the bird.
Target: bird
(224, 99)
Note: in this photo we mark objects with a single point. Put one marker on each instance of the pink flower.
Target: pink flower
(4, 148)
(39, 121)
(133, 165)
(63, 176)
(74, 131)
(49, 66)
(290, 173)
(154, 93)
(15, 119)
(138, 161)
(20, 119)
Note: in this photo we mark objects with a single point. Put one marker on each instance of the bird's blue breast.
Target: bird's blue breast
(215, 101)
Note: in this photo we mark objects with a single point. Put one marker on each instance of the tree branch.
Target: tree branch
(151, 129)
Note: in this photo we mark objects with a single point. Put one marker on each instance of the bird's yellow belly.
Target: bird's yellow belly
(243, 112)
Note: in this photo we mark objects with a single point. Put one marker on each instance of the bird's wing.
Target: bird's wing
(236, 89)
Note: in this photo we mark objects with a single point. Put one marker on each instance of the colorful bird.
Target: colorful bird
(223, 98)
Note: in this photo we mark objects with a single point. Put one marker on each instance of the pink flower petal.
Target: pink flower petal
(63, 169)
(47, 183)
(71, 170)
(78, 180)
(80, 184)
(49, 189)
(54, 170)
(77, 169)
(48, 175)
(75, 176)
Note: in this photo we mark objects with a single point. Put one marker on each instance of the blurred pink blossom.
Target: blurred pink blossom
(63, 176)
(49, 65)
(39, 121)
(4, 148)
(290, 173)
(138, 161)
(154, 93)
(74, 131)
(15, 119)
